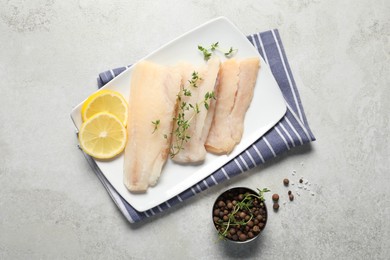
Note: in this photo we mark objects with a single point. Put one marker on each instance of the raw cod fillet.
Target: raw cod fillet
(152, 97)
(235, 89)
(194, 150)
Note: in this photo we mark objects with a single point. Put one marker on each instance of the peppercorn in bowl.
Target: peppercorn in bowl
(240, 214)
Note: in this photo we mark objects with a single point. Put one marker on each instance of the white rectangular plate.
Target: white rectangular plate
(267, 108)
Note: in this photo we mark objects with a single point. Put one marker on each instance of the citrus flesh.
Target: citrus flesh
(103, 136)
(105, 101)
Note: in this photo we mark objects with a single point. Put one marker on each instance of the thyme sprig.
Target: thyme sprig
(156, 123)
(182, 121)
(207, 52)
(245, 204)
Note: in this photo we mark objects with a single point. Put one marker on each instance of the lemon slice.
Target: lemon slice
(105, 101)
(103, 136)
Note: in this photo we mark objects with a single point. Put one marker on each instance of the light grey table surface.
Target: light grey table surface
(53, 206)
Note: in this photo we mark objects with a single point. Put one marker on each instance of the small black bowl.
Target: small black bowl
(235, 218)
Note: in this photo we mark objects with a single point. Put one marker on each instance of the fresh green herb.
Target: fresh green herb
(246, 204)
(207, 52)
(186, 93)
(214, 46)
(230, 52)
(194, 79)
(156, 123)
(182, 121)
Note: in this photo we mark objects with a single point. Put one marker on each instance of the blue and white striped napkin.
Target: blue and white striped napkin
(292, 130)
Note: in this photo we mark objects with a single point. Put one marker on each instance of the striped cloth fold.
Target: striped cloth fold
(292, 130)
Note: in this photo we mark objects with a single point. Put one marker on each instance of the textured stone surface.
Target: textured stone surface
(53, 206)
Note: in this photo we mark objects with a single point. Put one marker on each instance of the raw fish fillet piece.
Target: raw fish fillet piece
(194, 150)
(235, 89)
(153, 93)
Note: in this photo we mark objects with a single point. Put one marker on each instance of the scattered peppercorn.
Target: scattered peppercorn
(276, 206)
(291, 197)
(286, 182)
(275, 197)
(289, 192)
(300, 180)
